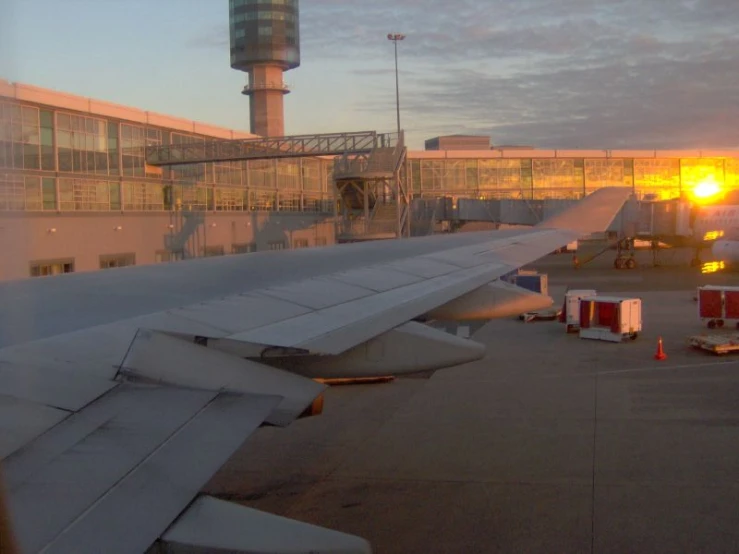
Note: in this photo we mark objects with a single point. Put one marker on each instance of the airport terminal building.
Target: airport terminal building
(527, 173)
(76, 193)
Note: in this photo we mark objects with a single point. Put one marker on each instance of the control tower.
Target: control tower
(265, 42)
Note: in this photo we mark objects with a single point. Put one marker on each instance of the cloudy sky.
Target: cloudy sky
(550, 73)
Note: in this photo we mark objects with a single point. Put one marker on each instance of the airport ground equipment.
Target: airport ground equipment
(610, 318)
(550, 314)
(625, 255)
(570, 315)
(531, 280)
(718, 306)
(571, 247)
(716, 344)
(535, 282)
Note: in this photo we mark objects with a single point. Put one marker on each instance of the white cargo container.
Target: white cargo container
(610, 318)
(571, 309)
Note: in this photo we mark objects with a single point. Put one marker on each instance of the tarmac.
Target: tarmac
(549, 444)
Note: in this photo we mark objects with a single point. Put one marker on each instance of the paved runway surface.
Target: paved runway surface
(549, 444)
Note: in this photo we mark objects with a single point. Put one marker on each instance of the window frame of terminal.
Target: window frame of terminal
(35, 266)
(113, 261)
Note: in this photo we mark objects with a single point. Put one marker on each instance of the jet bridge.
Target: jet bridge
(639, 222)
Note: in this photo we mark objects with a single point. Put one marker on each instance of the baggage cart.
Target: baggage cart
(718, 306)
(610, 318)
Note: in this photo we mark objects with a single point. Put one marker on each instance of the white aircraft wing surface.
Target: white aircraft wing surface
(115, 410)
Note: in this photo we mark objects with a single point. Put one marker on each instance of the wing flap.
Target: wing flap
(51, 386)
(22, 421)
(96, 351)
(212, 525)
(64, 472)
(136, 511)
(164, 359)
(177, 324)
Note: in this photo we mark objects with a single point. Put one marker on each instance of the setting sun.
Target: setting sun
(707, 189)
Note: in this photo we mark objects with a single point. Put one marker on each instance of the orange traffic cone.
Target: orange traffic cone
(660, 354)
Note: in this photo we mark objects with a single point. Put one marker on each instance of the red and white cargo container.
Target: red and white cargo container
(610, 318)
(570, 315)
(718, 306)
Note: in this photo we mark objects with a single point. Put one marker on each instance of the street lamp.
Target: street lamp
(395, 37)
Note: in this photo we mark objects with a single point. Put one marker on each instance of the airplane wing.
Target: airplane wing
(122, 393)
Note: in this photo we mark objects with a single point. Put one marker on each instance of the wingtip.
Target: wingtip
(592, 214)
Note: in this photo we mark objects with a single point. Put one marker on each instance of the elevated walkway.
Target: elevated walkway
(328, 144)
(369, 173)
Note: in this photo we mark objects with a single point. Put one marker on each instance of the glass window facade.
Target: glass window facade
(134, 140)
(657, 177)
(59, 160)
(555, 178)
(84, 195)
(502, 179)
(603, 173)
(20, 136)
(541, 178)
(82, 144)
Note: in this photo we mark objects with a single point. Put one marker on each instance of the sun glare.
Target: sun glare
(707, 189)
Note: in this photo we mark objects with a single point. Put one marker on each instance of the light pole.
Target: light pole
(395, 37)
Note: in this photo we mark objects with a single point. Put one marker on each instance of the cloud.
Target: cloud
(215, 37)
(554, 73)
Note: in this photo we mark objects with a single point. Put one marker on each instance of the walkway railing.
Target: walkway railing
(363, 229)
(329, 144)
(379, 163)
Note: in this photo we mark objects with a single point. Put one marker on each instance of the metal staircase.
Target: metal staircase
(187, 233)
(371, 186)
